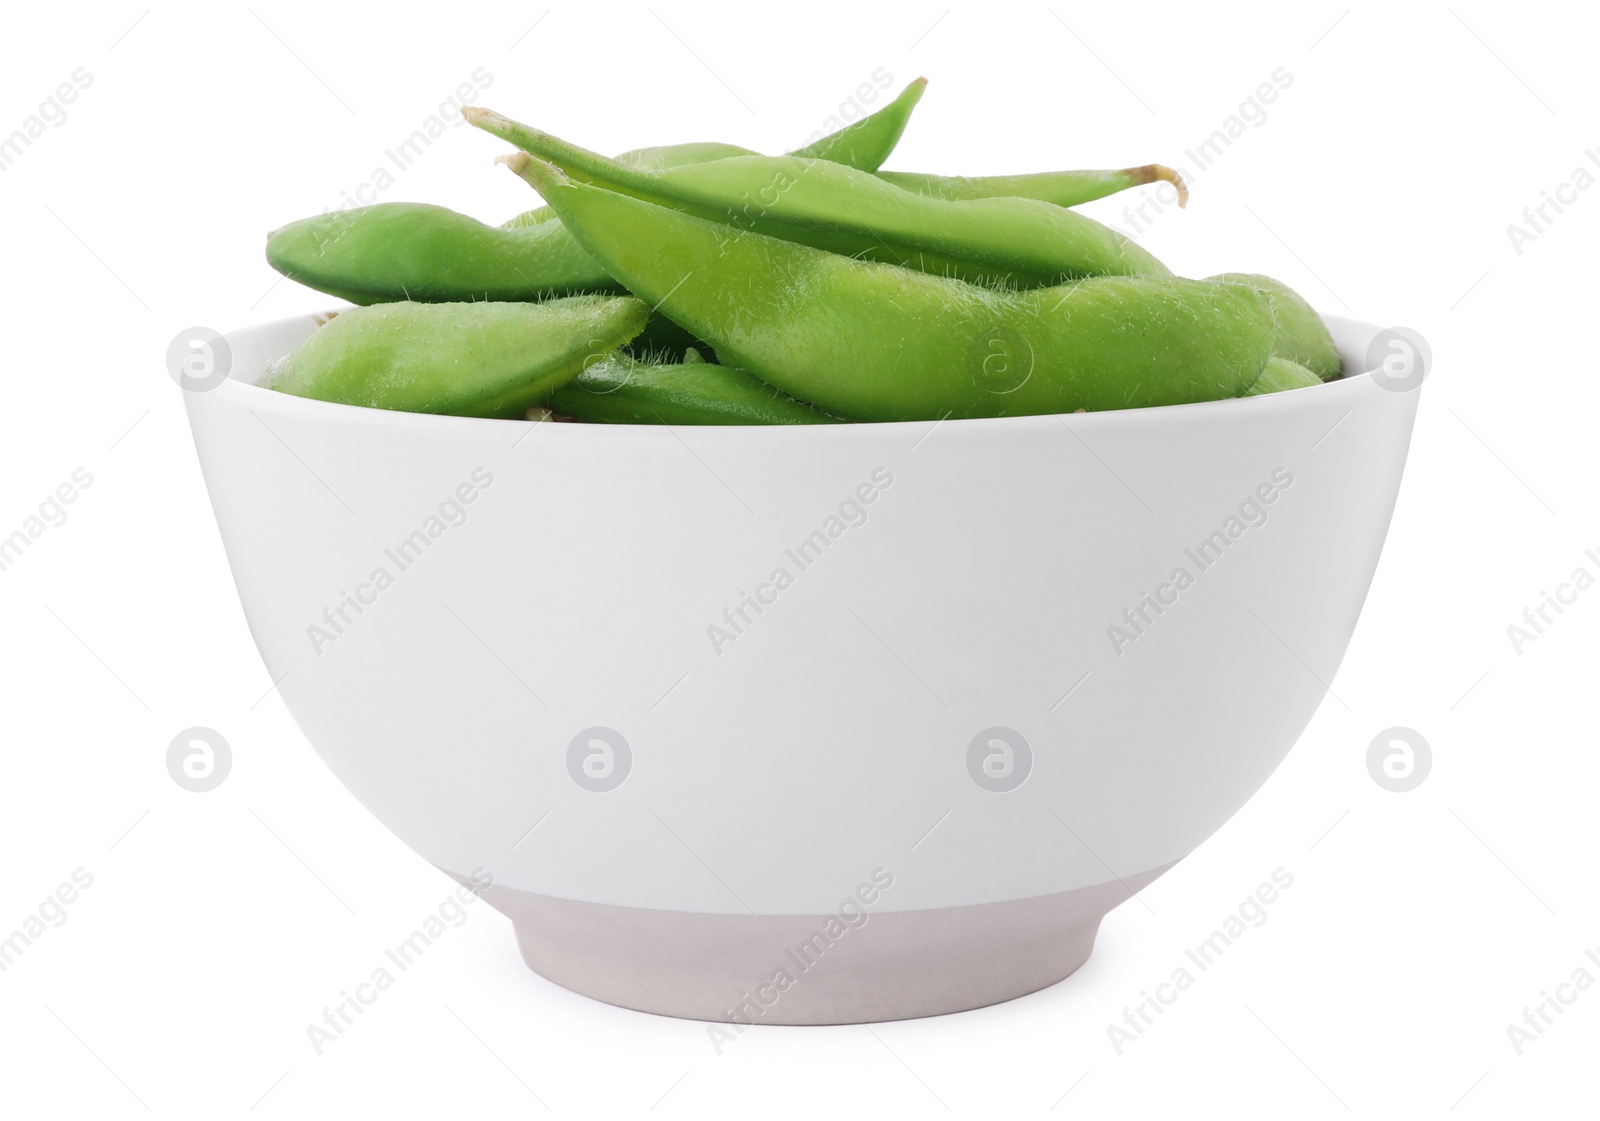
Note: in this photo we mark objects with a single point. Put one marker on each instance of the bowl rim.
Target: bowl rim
(251, 395)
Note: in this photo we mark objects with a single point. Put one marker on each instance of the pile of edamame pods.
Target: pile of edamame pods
(707, 284)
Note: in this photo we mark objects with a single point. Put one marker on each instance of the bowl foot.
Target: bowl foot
(810, 969)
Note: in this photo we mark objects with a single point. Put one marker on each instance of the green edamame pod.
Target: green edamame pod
(874, 342)
(864, 144)
(1020, 242)
(1302, 336)
(1280, 374)
(414, 251)
(429, 254)
(1064, 188)
(868, 142)
(485, 360)
(620, 390)
(669, 155)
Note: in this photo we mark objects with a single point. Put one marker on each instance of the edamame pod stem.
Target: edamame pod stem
(864, 144)
(1280, 374)
(874, 342)
(1019, 242)
(414, 251)
(620, 390)
(1301, 335)
(1064, 188)
(484, 359)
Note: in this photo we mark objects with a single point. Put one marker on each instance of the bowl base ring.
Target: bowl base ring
(810, 969)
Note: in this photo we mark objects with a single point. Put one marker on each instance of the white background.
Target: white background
(219, 925)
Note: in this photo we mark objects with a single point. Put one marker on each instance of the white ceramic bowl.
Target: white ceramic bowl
(812, 724)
